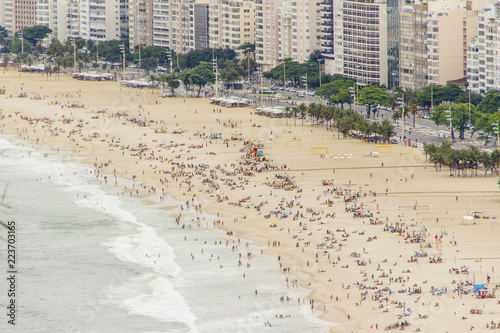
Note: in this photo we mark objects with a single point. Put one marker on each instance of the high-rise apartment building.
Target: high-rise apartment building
(267, 33)
(434, 40)
(364, 41)
(102, 20)
(413, 47)
(393, 42)
(19, 14)
(73, 19)
(306, 29)
(181, 25)
(483, 54)
(140, 23)
(199, 26)
(231, 23)
(285, 29)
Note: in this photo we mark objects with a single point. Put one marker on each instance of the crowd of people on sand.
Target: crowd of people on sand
(380, 281)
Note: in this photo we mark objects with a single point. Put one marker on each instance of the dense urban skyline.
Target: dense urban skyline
(393, 42)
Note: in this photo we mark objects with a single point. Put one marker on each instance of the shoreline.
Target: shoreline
(320, 287)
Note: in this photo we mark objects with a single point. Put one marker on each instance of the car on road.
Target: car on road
(300, 95)
(393, 141)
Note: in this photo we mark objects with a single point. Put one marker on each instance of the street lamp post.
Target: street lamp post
(284, 72)
(353, 95)
(319, 67)
(216, 72)
(169, 57)
(122, 47)
(248, 64)
(402, 103)
(74, 55)
(261, 72)
(393, 74)
(470, 123)
(448, 117)
(304, 80)
(496, 130)
(22, 43)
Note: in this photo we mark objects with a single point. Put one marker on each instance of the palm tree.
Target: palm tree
(153, 80)
(413, 109)
(437, 158)
(56, 69)
(295, 112)
(495, 160)
(6, 60)
(287, 112)
(386, 130)
(451, 159)
(392, 102)
(474, 156)
(313, 112)
(163, 79)
(303, 109)
(486, 161)
(430, 149)
(48, 70)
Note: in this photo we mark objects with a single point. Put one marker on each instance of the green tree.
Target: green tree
(56, 48)
(315, 56)
(230, 72)
(371, 96)
(330, 90)
(413, 110)
(3, 35)
(200, 76)
(48, 70)
(36, 33)
(195, 57)
(6, 60)
(491, 102)
(459, 116)
(343, 96)
(173, 83)
(486, 123)
(451, 92)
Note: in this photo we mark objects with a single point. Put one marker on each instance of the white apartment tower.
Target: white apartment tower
(140, 23)
(231, 23)
(267, 33)
(306, 29)
(285, 30)
(181, 25)
(483, 53)
(102, 20)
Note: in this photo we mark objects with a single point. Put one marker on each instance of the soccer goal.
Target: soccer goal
(383, 149)
(406, 156)
(319, 150)
(294, 143)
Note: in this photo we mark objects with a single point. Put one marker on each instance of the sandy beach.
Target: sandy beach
(381, 241)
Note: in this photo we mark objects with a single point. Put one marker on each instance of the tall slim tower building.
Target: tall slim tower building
(306, 29)
(140, 22)
(364, 41)
(267, 32)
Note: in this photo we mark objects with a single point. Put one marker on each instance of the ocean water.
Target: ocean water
(89, 260)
